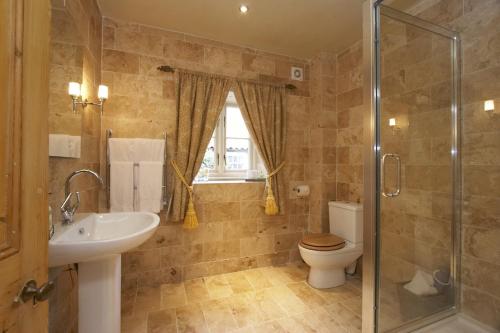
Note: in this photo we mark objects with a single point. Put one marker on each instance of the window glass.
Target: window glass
(230, 153)
(237, 141)
(237, 154)
(209, 159)
(209, 162)
(235, 125)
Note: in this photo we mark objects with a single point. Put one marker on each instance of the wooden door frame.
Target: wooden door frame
(30, 260)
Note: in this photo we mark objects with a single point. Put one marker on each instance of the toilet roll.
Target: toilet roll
(302, 190)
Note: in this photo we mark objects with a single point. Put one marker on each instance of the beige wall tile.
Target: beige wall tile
(482, 243)
(350, 99)
(239, 264)
(239, 229)
(480, 274)
(223, 59)
(223, 211)
(141, 260)
(177, 49)
(131, 40)
(204, 233)
(262, 244)
(481, 148)
(287, 241)
(481, 180)
(482, 306)
(122, 62)
(259, 64)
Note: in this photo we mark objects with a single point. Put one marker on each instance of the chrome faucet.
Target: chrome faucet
(68, 209)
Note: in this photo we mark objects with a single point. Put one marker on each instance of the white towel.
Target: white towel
(121, 150)
(136, 150)
(122, 187)
(149, 188)
(149, 150)
(422, 284)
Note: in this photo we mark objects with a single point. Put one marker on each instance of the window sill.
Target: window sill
(229, 181)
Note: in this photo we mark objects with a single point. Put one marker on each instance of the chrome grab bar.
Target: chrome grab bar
(397, 191)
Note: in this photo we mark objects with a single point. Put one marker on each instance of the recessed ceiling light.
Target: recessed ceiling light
(243, 9)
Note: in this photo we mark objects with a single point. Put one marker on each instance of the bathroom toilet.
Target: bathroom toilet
(330, 255)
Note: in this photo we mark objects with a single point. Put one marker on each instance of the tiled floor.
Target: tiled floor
(269, 299)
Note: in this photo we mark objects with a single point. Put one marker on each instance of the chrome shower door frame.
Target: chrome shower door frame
(372, 9)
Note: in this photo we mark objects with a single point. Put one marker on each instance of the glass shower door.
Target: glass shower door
(417, 136)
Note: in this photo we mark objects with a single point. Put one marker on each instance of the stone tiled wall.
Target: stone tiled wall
(335, 167)
(233, 234)
(322, 172)
(350, 124)
(324, 151)
(478, 23)
(479, 26)
(75, 56)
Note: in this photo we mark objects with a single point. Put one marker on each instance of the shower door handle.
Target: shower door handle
(397, 190)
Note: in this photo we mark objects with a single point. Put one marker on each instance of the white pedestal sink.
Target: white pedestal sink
(95, 242)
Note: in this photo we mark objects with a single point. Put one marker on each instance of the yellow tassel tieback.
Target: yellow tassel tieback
(190, 218)
(271, 207)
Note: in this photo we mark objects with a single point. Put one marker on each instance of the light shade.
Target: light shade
(392, 122)
(489, 105)
(243, 9)
(74, 89)
(102, 93)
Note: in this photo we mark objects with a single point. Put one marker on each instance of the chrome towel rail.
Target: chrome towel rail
(109, 135)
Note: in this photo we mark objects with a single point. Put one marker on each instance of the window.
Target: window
(231, 154)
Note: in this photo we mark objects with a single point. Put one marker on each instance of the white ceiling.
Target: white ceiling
(298, 28)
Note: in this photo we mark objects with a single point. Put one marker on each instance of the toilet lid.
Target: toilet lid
(322, 242)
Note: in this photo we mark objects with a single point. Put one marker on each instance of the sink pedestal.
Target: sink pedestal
(95, 242)
(99, 292)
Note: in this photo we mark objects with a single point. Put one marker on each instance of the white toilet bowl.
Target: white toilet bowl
(328, 267)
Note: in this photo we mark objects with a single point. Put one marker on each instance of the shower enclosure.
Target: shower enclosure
(412, 178)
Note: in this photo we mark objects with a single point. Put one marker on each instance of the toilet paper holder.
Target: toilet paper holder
(301, 190)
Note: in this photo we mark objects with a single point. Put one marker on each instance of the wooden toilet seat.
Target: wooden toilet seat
(322, 242)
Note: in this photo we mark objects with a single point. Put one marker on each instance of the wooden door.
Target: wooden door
(24, 55)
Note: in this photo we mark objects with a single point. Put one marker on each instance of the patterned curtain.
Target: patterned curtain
(200, 99)
(264, 109)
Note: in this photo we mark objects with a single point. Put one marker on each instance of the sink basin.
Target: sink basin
(96, 242)
(95, 236)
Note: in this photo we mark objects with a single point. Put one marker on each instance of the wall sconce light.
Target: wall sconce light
(75, 91)
(489, 105)
(392, 125)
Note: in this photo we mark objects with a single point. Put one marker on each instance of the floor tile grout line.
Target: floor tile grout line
(260, 317)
